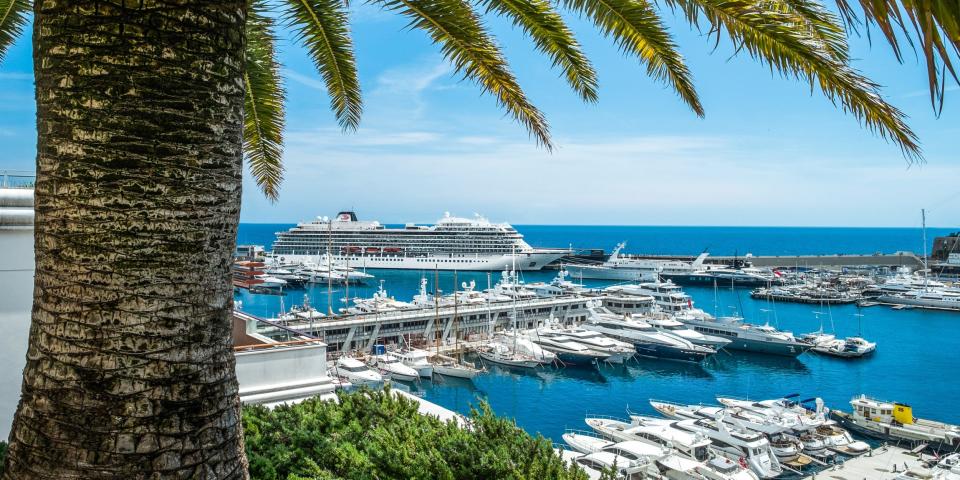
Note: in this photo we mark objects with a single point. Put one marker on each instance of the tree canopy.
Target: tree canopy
(377, 434)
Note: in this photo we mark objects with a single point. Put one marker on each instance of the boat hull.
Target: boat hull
(667, 352)
(452, 371)
(508, 361)
(758, 346)
(707, 279)
(882, 432)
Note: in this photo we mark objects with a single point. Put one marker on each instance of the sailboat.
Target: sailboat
(452, 366)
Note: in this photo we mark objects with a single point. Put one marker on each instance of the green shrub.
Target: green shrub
(378, 435)
(3, 456)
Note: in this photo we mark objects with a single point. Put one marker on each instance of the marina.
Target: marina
(517, 339)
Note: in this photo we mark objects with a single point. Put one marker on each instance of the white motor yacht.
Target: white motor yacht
(381, 302)
(676, 467)
(416, 359)
(394, 369)
(671, 325)
(785, 446)
(617, 350)
(567, 350)
(850, 347)
(691, 445)
(356, 372)
(735, 443)
(648, 341)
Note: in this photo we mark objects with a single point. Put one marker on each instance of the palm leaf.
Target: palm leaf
(263, 104)
(935, 23)
(323, 27)
(466, 44)
(638, 30)
(552, 37)
(770, 36)
(13, 17)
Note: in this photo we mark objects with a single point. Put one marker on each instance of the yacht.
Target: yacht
(558, 286)
(452, 367)
(623, 267)
(894, 422)
(746, 336)
(675, 467)
(671, 325)
(271, 282)
(735, 442)
(616, 351)
(452, 243)
(636, 454)
(503, 352)
(691, 445)
(393, 368)
(785, 446)
(381, 302)
(668, 297)
(567, 350)
(783, 410)
(928, 297)
(648, 341)
(356, 372)
(850, 347)
(416, 359)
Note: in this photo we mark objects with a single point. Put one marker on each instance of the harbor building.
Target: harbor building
(423, 325)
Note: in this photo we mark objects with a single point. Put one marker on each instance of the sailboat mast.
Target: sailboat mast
(456, 334)
(436, 303)
(329, 270)
(923, 222)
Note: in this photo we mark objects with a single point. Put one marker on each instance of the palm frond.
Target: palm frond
(770, 36)
(466, 44)
(13, 17)
(935, 23)
(638, 30)
(323, 27)
(263, 104)
(552, 37)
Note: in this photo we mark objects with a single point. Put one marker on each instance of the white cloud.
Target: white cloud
(313, 81)
(412, 80)
(641, 180)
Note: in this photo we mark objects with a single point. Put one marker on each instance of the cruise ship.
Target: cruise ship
(453, 243)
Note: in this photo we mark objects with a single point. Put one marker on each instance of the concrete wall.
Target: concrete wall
(16, 300)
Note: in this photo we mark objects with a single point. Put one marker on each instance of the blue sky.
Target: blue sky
(768, 152)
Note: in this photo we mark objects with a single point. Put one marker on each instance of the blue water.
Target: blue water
(914, 362)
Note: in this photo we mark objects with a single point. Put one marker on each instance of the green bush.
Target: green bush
(3, 456)
(378, 435)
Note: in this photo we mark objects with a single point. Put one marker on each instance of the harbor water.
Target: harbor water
(915, 361)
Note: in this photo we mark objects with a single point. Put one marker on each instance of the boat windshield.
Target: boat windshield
(701, 453)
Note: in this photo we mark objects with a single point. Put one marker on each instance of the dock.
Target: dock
(882, 463)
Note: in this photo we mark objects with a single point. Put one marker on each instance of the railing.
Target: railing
(17, 179)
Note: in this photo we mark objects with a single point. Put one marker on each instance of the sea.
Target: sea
(916, 361)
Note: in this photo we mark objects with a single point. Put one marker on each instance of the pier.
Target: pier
(883, 463)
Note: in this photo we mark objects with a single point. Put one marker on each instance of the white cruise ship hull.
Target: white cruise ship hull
(535, 260)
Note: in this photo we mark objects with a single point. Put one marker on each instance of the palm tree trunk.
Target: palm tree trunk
(130, 371)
